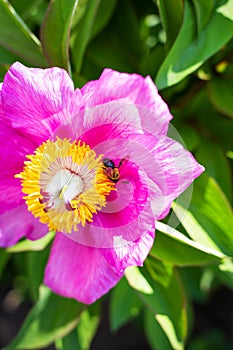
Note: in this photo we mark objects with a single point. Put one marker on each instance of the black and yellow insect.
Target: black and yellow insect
(112, 171)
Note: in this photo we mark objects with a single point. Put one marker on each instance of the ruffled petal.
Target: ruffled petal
(14, 148)
(79, 272)
(115, 86)
(169, 169)
(30, 95)
(180, 169)
(130, 253)
(17, 223)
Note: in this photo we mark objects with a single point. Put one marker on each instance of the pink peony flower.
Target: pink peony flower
(92, 164)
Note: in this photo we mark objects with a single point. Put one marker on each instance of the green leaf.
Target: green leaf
(27, 245)
(216, 165)
(203, 11)
(51, 318)
(17, 38)
(154, 333)
(87, 327)
(55, 32)
(35, 264)
(124, 305)
(174, 247)
(209, 219)
(169, 307)
(220, 94)
(225, 272)
(171, 13)
(103, 15)
(160, 271)
(191, 48)
(137, 281)
(83, 30)
(4, 257)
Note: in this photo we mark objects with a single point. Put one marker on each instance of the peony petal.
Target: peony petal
(113, 85)
(169, 169)
(31, 95)
(17, 223)
(14, 148)
(130, 253)
(79, 272)
(122, 87)
(180, 169)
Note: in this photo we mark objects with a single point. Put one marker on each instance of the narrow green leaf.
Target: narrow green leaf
(219, 91)
(174, 247)
(55, 32)
(87, 326)
(83, 30)
(27, 245)
(51, 318)
(168, 305)
(17, 38)
(191, 49)
(203, 11)
(35, 264)
(137, 281)
(171, 13)
(154, 333)
(103, 15)
(210, 220)
(122, 295)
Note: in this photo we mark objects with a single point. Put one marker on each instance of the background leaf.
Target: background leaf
(191, 49)
(17, 38)
(50, 319)
(55, 32)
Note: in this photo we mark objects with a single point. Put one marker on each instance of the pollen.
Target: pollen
(64, 184)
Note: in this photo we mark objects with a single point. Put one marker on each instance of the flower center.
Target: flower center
(65, 184)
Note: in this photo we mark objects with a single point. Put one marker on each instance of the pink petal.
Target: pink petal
(17, 223)
(130, 253)
(128, 88)
(14, 148)
(31, 95)
(169, 169)
(78, 272)
(180, 169)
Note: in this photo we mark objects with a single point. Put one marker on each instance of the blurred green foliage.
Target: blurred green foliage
(186, 46)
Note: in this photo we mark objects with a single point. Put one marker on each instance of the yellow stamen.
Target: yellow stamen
(65, 184)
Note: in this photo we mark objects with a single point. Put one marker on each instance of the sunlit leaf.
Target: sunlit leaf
(209, 219)
(50, 319)
(174, 247)
(87, 327)
(154, 333)
(55, 32)
(168, 306)
(16, 37)
(27, 245)
(191, 48)
(137, 281)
